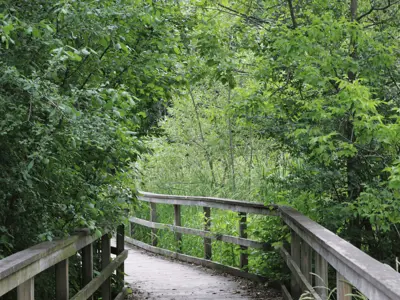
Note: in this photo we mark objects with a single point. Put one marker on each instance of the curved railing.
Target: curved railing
(19, 270)
(313, 249)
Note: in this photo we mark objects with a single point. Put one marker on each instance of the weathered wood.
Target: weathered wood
(298, 275)
(207, 234)
(43, 257)
(105, 274)
(87, 265)
(306, 261)
(177, 222)
(226, 204)
(344, 289)
(244, 257)
(207, 225)
(201, 261)
(26, 290)
(321, 278)
(153, 218)
(368, 275)
(285, 293)
(62, 280)
(120, 249)
(105, 261)
(295, 250)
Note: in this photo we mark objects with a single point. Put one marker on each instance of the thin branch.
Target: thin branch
(389, 4)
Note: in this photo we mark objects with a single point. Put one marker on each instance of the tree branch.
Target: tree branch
(389, 4)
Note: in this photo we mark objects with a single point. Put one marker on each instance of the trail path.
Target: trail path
(155, 277)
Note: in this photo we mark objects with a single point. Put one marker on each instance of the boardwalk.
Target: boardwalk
(154, 277)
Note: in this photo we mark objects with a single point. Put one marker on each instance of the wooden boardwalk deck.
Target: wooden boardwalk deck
(155, 277)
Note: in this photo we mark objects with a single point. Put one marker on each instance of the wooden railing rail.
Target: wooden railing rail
(19, 270)
(313, 249)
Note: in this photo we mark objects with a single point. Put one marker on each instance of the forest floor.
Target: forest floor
(155, 277)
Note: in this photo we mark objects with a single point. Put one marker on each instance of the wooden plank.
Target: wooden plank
(295, 250)
(344, 289)
(87, 265)
(201, 261)
(207, 225)
(120, 249)
(105, 261)
(244, 257)
(285, 293)
(226, 204)
(44, 256)
(366, 274)
(299, 276)
(306, 261)
(177, 222)
(26, 290)
(97, 282)
(153, 218)
(62, 280)
(321, 280)
(203, 233)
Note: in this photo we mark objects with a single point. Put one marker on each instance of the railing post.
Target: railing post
(321, 281)
(177, 222)
(87, 265)
(207, 225)
(295, 254)
(153, 218)
(105, 260)
(244, 257)
(120, 249)
(62, 280)
(344, 289)
(26, 290)
(306, 261)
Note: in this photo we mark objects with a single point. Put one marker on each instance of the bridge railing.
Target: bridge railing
(19, 270)
(313, 249)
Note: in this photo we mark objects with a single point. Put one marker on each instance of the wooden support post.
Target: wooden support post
(321, 281)
(26, 290)
(120, 249)
(105, 260)
(344, 289)
(62, 280)
(153, 218)
(295, 254)
(244, 257)
(87, 265)
(207, 225)
(177, 222)
(306, 261)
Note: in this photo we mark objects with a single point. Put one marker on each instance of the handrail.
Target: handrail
(313, 249)
(19, 270)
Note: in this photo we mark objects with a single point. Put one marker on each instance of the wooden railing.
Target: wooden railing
(313, 249)
(19, 270)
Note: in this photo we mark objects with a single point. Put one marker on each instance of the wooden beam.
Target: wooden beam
(105, 261)
(87, 265)
(244, 257)
(26, 290)
(295, 250)
(321, 278)
(62, 280)
(298, 275)
(344, 289)
(153, 218)
(227, 204)
(120, 249)
(306, 261)
(207, 225)
(203, 233)
(285, 293)
(97, 282)
(177, 222)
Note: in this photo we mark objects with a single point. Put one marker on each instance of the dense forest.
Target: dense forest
(293, 102)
